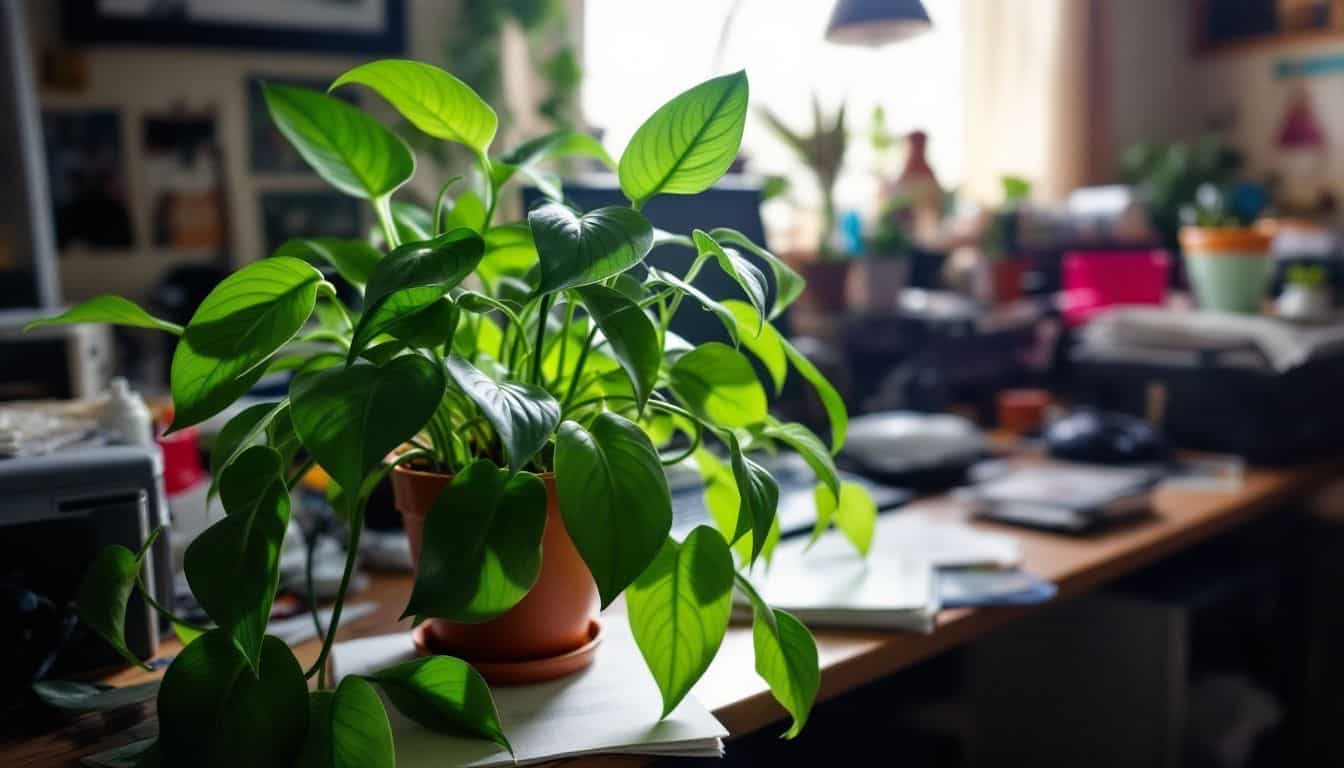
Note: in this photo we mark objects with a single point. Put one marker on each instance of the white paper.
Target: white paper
(610, 707)
(912, 535)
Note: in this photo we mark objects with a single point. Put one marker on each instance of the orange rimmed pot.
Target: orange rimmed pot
(554, 620)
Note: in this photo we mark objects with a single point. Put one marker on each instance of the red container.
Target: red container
(1095, 280)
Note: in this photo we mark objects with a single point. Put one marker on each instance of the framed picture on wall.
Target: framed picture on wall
(269, 151)
(183, 170)
(345, 26)
(287, 214)
(86, 170)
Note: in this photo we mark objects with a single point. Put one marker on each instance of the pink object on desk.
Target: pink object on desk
(1095, 280)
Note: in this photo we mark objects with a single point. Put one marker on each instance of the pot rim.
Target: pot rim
(405, 470)
(1217, 241)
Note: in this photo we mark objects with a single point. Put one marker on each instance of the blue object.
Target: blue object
(960, 588)
(851, 234)
(876, 22)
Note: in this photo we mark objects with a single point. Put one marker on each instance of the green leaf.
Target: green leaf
(467, 211)
(801, 439)
(354, 260)
(758, 495)
(71, 696)
(631, 334)
(561, 143)
(233, 566)
(481, 549)
(350, 150)
(104, 592)
(855, 515)
(242, 322)
(830, 399)
(185, 633)
(212, 710)
(761, 339)
(523, 415)
(433, 100)
(509, 250)
(789, 284)
(690, 142)
(246, 429)
(614, 499)
(679, 609)
(719, 385)
(743, 272)
(412, 278)
(444, 694)
(413, 222)
(786, 658)
(578, 250)
(350, 418)
(429, 327)
(107, 309)
(720, 311)
(348, 728)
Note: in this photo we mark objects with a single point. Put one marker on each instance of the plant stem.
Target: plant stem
(308, 586)
(382, 207)
(542, 313)
(165, 612)
(356, 527)
(488, 185)
(328, 291)
(298, 476)
(564, 338)
(578, 367)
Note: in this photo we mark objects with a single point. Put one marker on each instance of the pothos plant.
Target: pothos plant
(494, 352)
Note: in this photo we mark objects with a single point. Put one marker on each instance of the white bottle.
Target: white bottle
(125, 417)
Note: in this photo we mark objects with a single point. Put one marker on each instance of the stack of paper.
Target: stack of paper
(611, 707)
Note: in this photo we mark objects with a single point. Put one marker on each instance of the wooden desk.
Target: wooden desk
(848, 658)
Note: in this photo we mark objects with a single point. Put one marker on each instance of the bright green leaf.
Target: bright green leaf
(361, 735)
(719, 385)
(107, 309)
(801, 439)
(720, 311)
(354, 260)
(413, 223)
(558, 144)
(349, 419)
(467, 211)
(509, 250)
(433, 100)
(744, 273)
(523, 415)
(679, 609)
(350, 150)
(214, 711)
(788, 283)
(631, 334)
(614, 499)
(578, 250)
(691, 141)
(786, 658)
(443, 694)
(762, 340)
(855, 515)
(831, 401)
(758, 494)
(481, 549)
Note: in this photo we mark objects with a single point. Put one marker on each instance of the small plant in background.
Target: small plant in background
(823, 152)
(1170, 175)
(494, 352)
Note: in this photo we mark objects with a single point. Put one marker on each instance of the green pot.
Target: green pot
(1228, 267)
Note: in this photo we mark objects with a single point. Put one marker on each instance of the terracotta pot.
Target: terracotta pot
(553, 619)
(1005, 279)
(825, 291)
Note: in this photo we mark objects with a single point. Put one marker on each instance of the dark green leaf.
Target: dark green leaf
(689, 143)
(90, 697)
(350, 150)
(104, 592)
(433, 100)
(107, 309)
(242, 322)
(233, 566)
(758, 499)
(247, 428)
(788, 283)
(613, 497)
(524, 416)
(830, 399)
(801, 439)
(720, 385)
(855, 515)
(318, 740)
(443, 694)
(761, 339)
(350, 418)
(353, 259)
(744, 273)
(679, 610)
(214, 712)
(356, 727)
(719, 310)
(578, 250)
(481, 550)
(786, 658)
(429, 327)
(631, 334)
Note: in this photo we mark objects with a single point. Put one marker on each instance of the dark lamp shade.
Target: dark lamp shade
(876, 22)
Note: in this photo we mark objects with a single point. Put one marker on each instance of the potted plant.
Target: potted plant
(823, 152)
(1005, 269)
(512, 377)
(1227, 262)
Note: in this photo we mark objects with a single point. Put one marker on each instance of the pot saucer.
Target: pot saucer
(530, 670)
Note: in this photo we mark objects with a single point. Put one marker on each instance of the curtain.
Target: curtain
(1035, 95)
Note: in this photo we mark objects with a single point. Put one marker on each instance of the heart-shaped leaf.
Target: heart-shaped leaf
(350, 150)
(348, 728)
(481, 549)
(433, 100)
(855, 514)
(689, 143)
(412, 278)
(758, 495)
(354, 260)
(578, 250)
(710, 305)
(240, 324)
(810, 447)
(524, 416)
(613, 497)
(113, 310)
(724, 503)
(104, 592)
(233, 566)
(443, 694)
(789, 284)
(212, 709)
(744, 273)
(350, 418)
(631, 334)
(786, 658)
(246, 429)
(761, 339)
(720, 385)
(679, 609)
(836, 412)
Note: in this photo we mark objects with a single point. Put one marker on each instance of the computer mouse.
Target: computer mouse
(1100, 437)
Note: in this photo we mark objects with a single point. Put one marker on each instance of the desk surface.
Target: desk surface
(849, 658)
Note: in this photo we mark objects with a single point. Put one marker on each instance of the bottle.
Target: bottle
(125, 417)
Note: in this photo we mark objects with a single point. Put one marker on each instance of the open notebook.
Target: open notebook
(611, 707)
